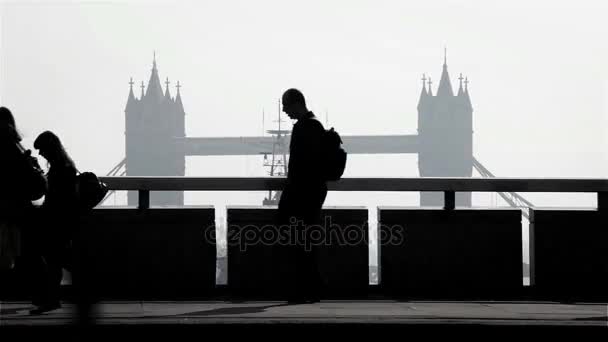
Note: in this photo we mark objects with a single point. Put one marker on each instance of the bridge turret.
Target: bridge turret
(179, 131)
(131, 101)
(167, 93)
(445, 137)
(467, 99)
(151, 147)
(423, 94)
(460, 91)
(423, 102)
(133, 111)
(180, 114)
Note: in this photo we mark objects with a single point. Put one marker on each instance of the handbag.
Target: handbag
(91, 191)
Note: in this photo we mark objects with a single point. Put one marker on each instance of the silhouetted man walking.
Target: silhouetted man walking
(303, 197)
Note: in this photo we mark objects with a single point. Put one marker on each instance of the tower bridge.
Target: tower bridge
(156, 143)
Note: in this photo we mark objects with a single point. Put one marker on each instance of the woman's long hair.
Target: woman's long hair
(49, 142)
(8, 128)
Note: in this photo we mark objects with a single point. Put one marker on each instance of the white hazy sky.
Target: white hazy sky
(538, 74)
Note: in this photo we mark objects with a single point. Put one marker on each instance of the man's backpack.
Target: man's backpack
(334, 156)
(91, 191)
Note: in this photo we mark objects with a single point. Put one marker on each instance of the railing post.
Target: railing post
(602, 200)
(449, 202)
(532, 248)
(144, 199)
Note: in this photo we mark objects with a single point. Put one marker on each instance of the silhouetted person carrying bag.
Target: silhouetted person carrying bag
(21, 182)
(302, 199)
(66, 243)
(58, 222)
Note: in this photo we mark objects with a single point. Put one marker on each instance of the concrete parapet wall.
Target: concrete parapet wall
(154, 253)
(433, 253)
(569, 253)
(256, 262)
(170, 253)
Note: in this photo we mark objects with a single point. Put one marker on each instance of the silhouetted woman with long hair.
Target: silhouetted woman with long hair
(61, 195)
(59, 215)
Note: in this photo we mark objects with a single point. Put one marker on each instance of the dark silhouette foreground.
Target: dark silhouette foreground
(302, 199)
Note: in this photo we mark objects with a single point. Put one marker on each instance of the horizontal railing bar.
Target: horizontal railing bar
(362, 184)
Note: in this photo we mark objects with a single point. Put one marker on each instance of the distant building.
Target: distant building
(153, 122)
(445, 135)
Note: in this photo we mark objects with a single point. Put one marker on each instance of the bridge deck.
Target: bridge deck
(364, 311)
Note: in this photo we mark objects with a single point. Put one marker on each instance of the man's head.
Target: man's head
(294, 104)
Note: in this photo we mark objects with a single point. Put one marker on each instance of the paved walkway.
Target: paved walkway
(326, 312)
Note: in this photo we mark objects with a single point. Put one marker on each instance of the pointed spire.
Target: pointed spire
(167, 94)
(423, 94)
(460, 91)
(131, 88)
(154, 61)
(424, 83)
(445, 56)
(142, 90)
(154, 88)
(445, 86)
(131, 100)
(467, 99)
(430, 91)
(178, 97)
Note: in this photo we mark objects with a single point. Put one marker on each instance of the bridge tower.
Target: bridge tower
(153, 123)
(445, 135)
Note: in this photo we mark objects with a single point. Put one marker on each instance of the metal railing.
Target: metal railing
(449, 186)
(513, 199)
